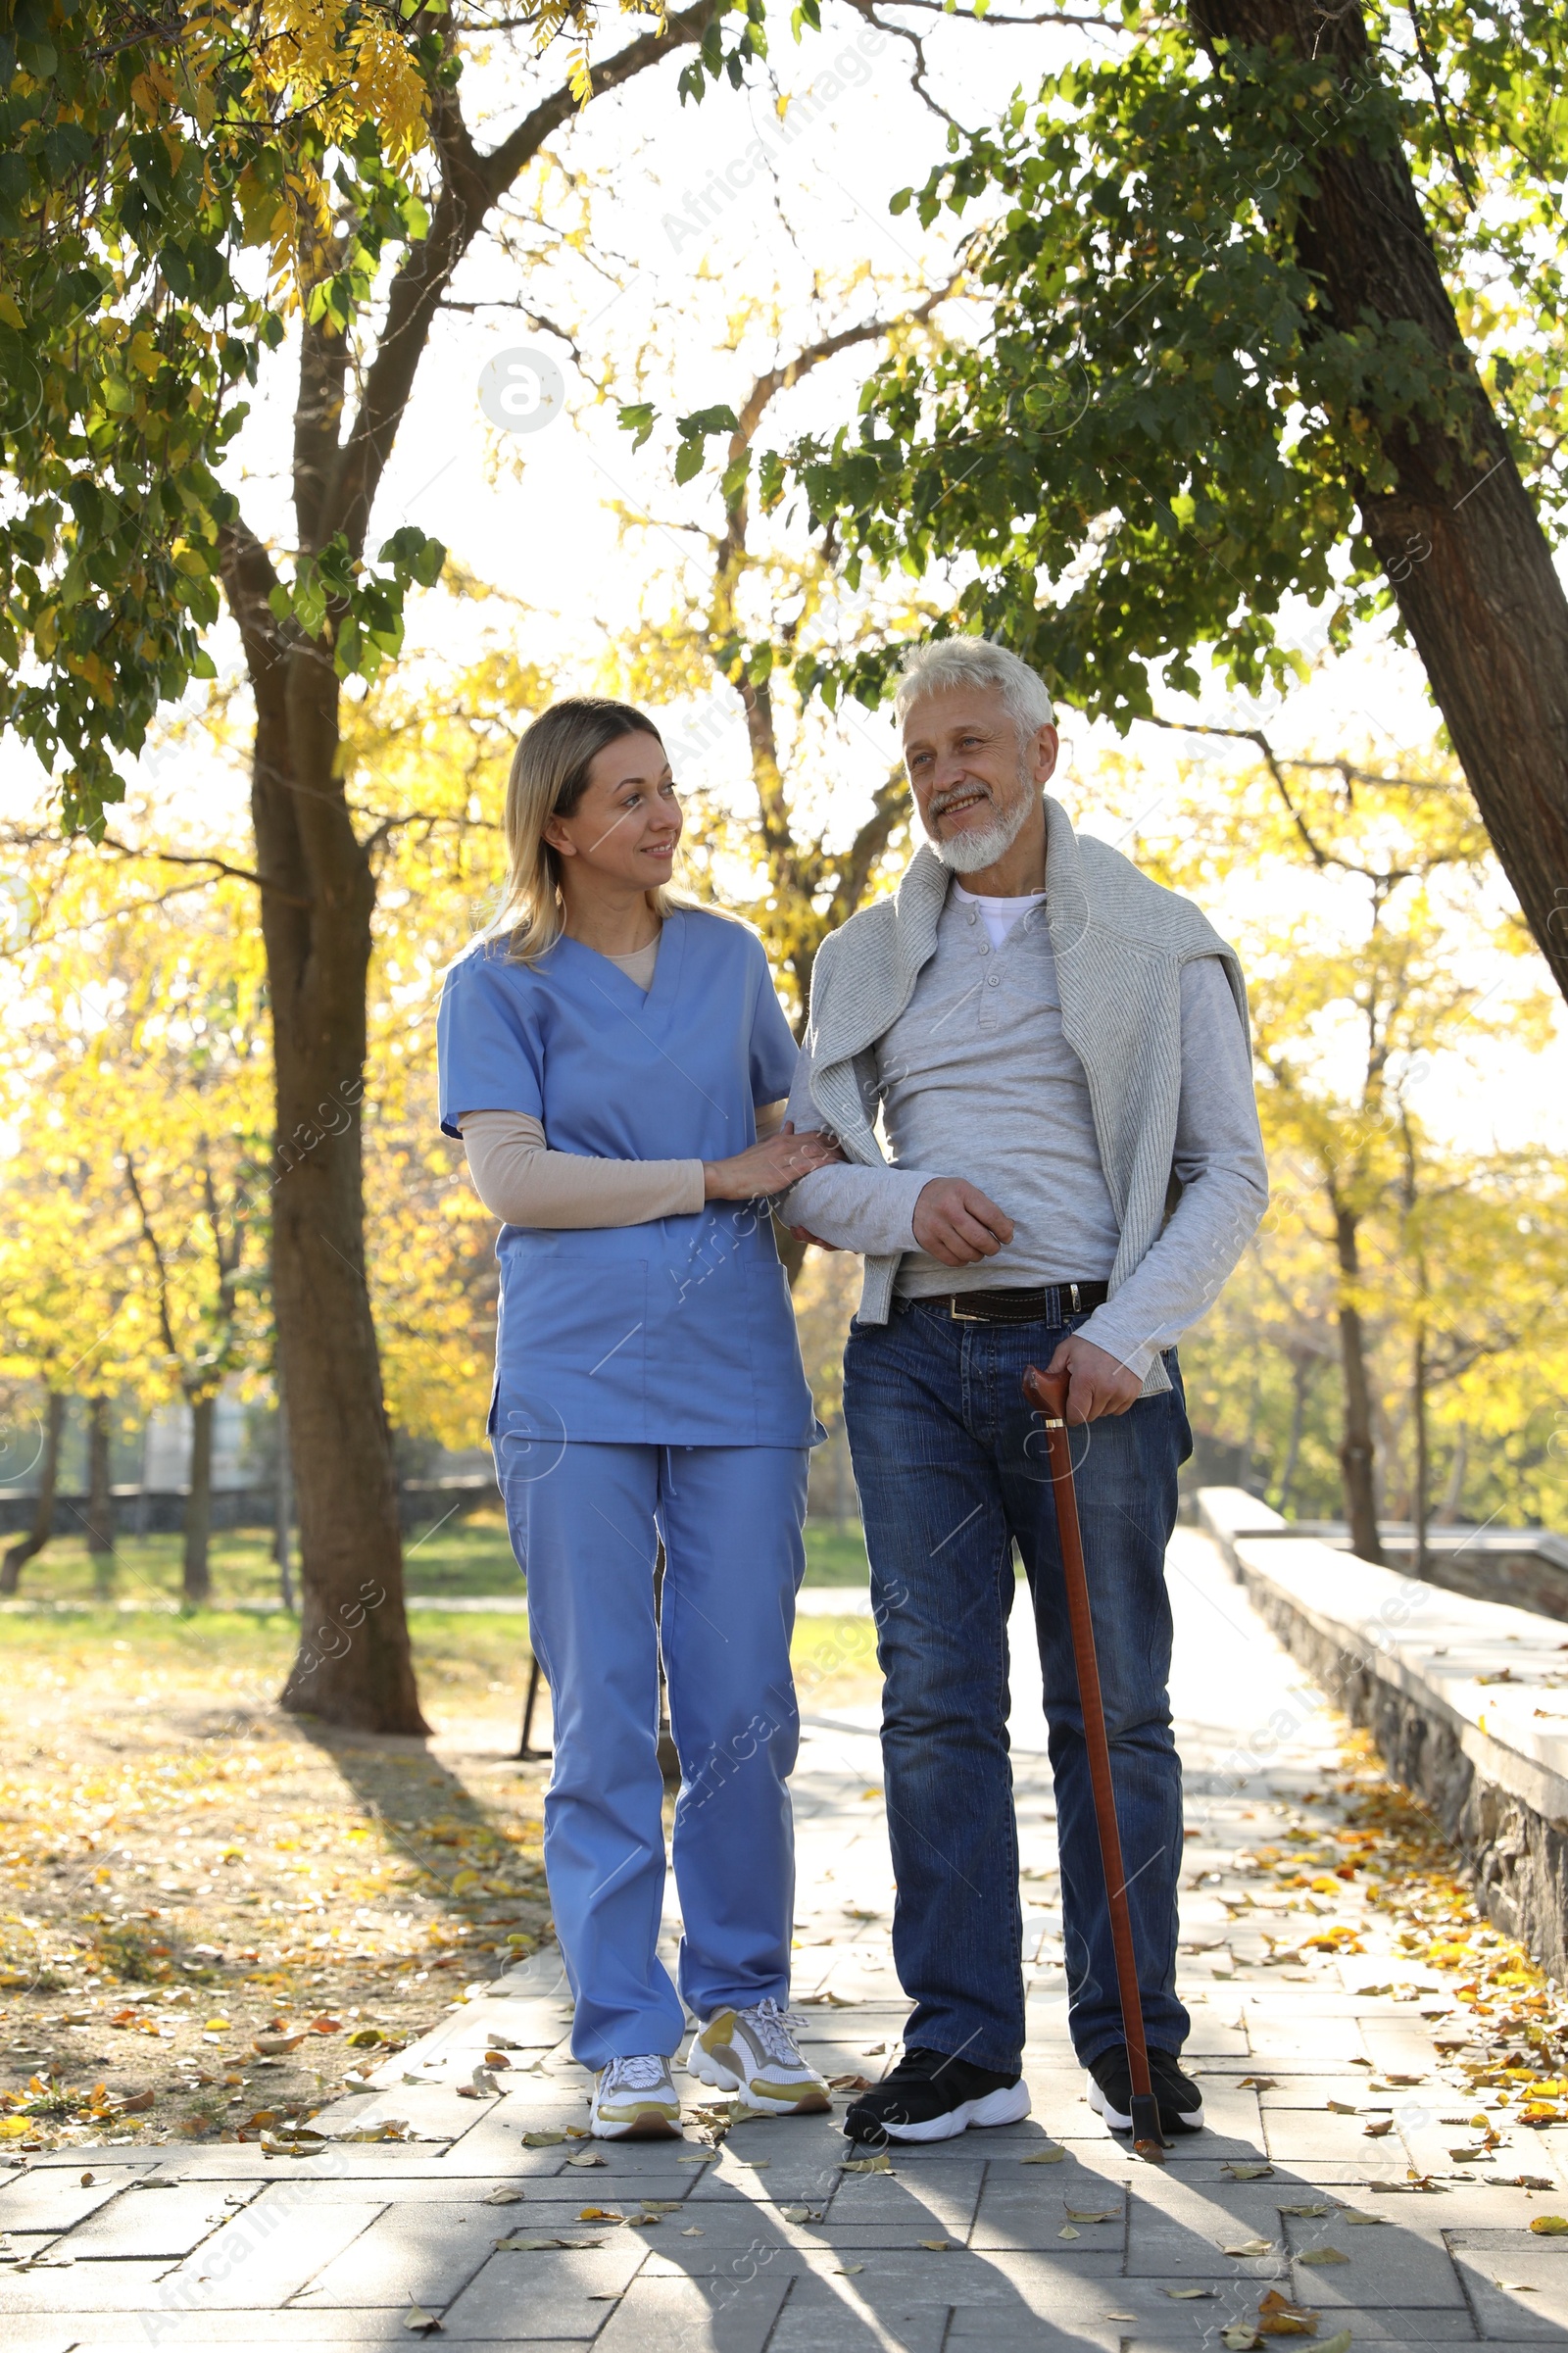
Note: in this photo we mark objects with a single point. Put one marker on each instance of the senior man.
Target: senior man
(1057, 1047)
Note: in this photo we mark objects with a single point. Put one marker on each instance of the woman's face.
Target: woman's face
(625, 827)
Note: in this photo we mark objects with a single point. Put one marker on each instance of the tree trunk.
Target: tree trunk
(1357, 1453)
(1301, 1371)
(100, 1496)
(196, 1584)
(355, 1666)
(1423, 1454)
(1471, 570)
(28, 1547)
(1448, 1512)
(283, 1505)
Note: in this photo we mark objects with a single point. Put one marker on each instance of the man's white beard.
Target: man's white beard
(974, 849)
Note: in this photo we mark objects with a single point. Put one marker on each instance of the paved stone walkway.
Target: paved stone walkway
(1324, 2087)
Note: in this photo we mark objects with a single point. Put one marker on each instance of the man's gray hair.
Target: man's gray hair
(948, 662)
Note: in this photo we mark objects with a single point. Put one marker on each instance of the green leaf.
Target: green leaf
(637, 418)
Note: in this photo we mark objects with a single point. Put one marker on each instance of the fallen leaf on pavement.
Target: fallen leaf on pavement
(1375, 2130)
(847, 2271)
(1067, 2232)
(1339, 2342)
(1549, 2225)
(1342, 2107)
(1355, 2216)
(420, 2323)
(1241, 2339)
(848, 2082)
(881, 2163)
(319, 2026)
(272, 2045)
(1258, 2084)
(584, 2157)
(503, 2197)
(1240, 2170)
(542, 2140)
(1250, 2248)
(1048, 2155)
(1189, 2295)
(1313, 2213)
(939, 2246)
(1322, 2255)
(1277, 2315)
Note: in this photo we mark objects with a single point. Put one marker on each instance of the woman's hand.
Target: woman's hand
(769, 1167)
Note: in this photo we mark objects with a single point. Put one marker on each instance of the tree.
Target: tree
(140, 1040)
(749, 609)
(191, 1070)
(147, 157)
(51, 1430)
(1279, 303)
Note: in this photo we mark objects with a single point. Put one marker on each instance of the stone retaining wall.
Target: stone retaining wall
(1466, 1699)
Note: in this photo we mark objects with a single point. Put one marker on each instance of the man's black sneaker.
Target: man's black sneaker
(1110, 2091)
(930, 2097)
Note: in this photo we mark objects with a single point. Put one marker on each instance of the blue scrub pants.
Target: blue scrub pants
(583, 1521)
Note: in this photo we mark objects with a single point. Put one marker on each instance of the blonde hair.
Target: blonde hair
(549, 777)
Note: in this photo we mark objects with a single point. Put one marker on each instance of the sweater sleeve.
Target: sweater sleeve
(854, 1207)
(1219, 1159)
(523, 1183)
(520, 1181)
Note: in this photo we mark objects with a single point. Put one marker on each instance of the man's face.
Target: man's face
(973, 781)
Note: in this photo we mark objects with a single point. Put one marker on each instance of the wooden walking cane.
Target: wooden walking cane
(1048, 1397)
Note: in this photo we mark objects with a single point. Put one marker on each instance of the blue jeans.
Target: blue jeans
(951, 1469)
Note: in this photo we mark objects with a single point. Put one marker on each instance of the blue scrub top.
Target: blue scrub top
(674, 1333)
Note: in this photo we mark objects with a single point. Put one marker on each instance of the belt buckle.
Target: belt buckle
(1076, 1306)
(955, 1313)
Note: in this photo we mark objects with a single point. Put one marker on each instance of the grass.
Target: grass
(456, 1559)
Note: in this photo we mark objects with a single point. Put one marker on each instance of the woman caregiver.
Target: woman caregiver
(610, 1060)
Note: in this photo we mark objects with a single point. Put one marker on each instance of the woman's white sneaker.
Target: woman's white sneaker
(754, 2053)
(635, 2099)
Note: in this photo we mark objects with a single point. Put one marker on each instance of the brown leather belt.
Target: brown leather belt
(1050, 1304)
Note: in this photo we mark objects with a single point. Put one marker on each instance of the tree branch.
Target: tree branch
(471, 184)
(871, 839)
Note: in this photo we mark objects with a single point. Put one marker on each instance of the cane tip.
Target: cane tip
(1153, 2152)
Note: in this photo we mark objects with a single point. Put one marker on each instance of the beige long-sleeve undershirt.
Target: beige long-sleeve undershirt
(523, 1183)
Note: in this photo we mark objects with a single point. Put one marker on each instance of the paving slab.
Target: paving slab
(267, 2254)
(557, 2293)
(168, 2221)
(53, 2200)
